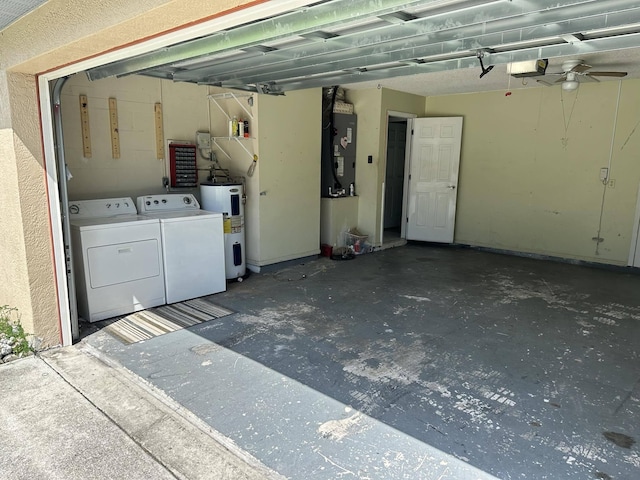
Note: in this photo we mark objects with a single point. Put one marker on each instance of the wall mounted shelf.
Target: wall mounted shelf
(239, 140)
(214, 97)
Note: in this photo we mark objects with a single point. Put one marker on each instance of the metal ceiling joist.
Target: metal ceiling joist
(516, 18)
(345, 41)
(305, 20)
(566, 49)
(443, 42)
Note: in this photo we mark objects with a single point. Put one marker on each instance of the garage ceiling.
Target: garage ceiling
(425, 45)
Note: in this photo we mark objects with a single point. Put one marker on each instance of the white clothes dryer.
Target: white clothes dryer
(192, 245)
(117, 258)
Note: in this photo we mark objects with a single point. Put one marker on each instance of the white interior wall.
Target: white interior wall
(528, 182)
(282, 213)
(238, 160)
(372, 107)
(137, 171)
(290, 129)
(530, 165)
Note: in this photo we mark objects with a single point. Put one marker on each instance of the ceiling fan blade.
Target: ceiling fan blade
(545, 83)
(608, 74)
(581, 68)
(589, 78)
(561, 79)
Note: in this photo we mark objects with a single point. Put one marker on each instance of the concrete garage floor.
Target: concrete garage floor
(383, 366)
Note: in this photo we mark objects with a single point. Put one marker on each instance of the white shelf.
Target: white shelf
(235, 96)
(215, 97)
(237, 139)
(233, 138)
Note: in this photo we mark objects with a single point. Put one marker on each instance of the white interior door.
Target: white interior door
(433, 179)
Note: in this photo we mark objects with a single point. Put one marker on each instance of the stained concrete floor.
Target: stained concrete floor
(416, 362)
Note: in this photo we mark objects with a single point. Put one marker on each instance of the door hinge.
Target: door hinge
(409, 176)
(412, 131)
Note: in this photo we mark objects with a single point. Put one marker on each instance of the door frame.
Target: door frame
(407, 156)
(634, 250)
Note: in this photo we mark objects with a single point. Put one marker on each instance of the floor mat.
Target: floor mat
(153, 322)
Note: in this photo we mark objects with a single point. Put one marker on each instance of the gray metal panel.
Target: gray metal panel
(302, 21)
(347, 41)
(344, 154)
(419, 38)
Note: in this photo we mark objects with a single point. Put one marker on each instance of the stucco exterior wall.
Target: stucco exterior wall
(26, 278)
(14, 277)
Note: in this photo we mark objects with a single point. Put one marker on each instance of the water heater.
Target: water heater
(228, 198)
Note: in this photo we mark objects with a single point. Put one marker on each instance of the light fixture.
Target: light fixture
(570, 84)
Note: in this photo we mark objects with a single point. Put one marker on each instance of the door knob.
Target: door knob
(452, 187)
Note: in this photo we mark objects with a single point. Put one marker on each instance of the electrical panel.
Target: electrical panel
(182, 164)
(338, 168)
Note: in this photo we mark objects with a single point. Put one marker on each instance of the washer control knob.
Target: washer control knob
(156, 202)
(148, 202)
(164, 200)
(186, 200)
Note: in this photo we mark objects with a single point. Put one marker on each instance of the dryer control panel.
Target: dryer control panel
(104, 207)
(167, 202)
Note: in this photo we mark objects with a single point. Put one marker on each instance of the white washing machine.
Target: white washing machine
(192, 245)
(117, 258)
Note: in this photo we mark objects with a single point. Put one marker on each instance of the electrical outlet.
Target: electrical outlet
(604, 174)
(612, 183)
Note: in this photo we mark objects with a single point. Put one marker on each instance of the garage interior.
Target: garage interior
(420, 361)
(520, 367)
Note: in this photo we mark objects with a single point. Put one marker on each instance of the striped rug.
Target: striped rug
(157, 321)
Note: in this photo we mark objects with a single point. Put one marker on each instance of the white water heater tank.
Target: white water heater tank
(228, 198)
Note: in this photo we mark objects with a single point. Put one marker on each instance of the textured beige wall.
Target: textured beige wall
(14, 275)
(58, 33)
(27, 261)
(64, 31)
(289, 210)
(529, 173)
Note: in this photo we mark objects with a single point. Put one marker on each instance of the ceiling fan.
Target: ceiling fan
(574, 69)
